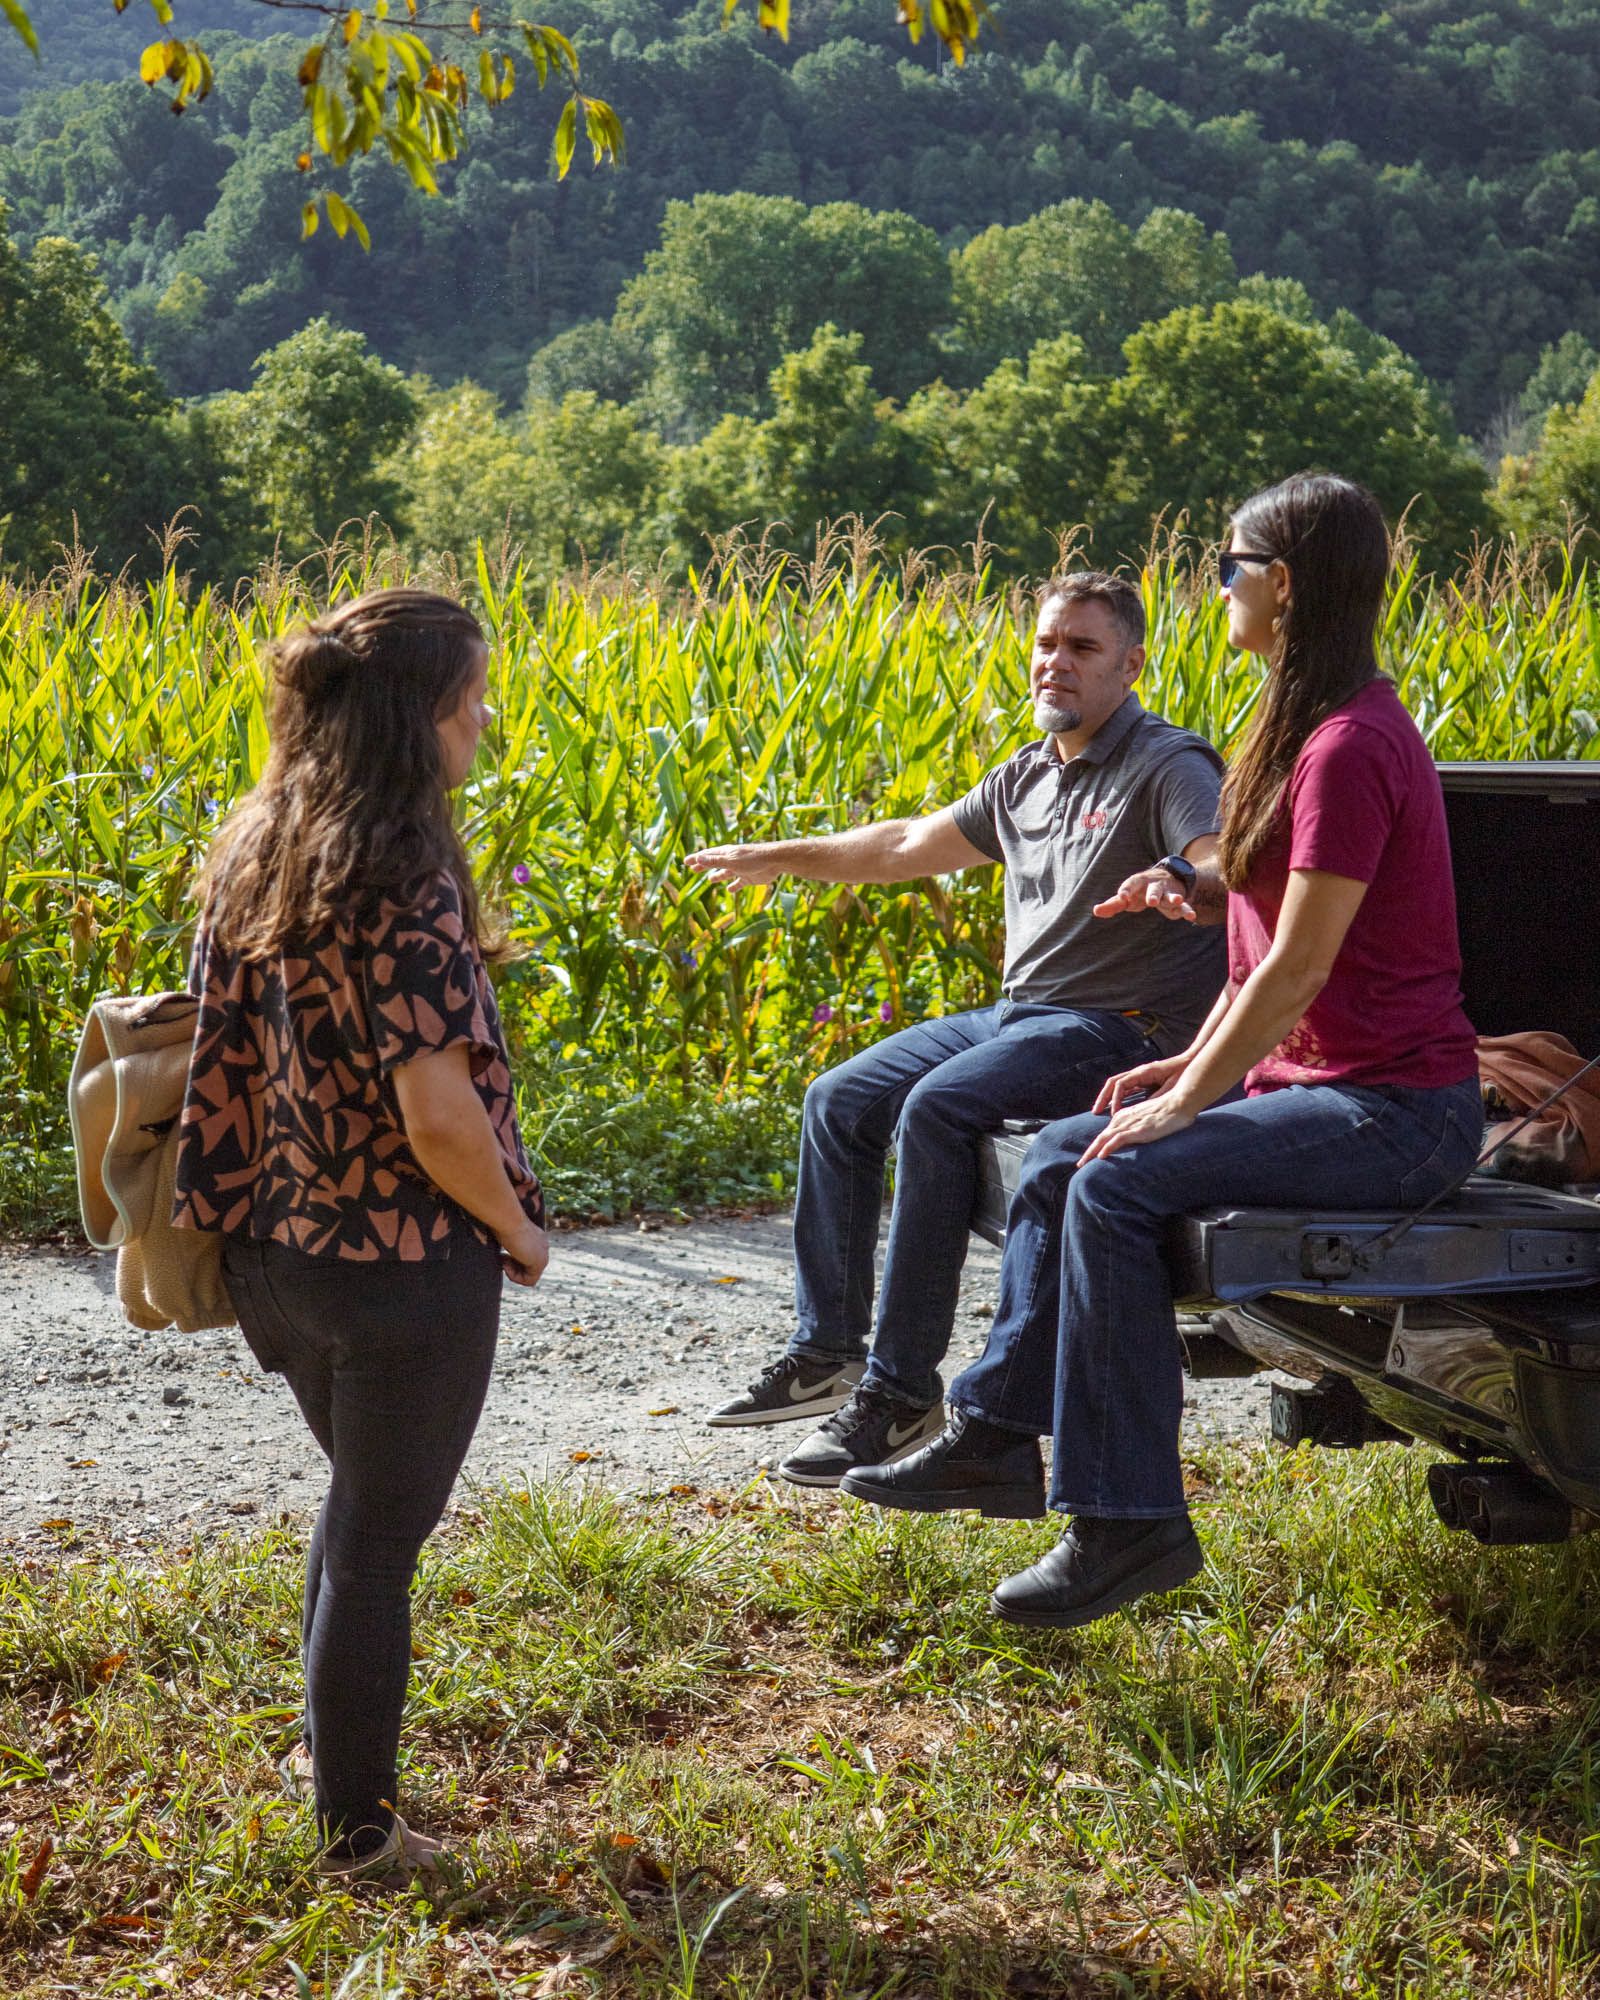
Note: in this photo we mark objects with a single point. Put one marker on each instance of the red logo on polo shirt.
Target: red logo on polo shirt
(1093, 821)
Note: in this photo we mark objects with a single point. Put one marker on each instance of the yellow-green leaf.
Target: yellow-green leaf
(310, 66)
(566, 137)
(153, 63)
(13, 12)
(308, 220)
(352, 25)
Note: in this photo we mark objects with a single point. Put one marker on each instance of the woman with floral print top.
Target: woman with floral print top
(349, 1129)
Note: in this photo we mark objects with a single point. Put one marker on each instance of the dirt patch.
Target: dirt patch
(632, 1336)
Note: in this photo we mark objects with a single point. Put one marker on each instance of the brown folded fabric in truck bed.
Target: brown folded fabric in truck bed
(1562, 1145)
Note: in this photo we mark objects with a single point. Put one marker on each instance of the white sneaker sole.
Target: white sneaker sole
(832, 1478)
(823, 1404)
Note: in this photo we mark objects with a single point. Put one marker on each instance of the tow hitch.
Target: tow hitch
(1330, 1413)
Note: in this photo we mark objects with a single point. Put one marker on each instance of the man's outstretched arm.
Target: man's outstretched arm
(1156, 889)
(889, 850)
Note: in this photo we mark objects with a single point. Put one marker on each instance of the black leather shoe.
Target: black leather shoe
(969, 1464)
(1097, 1567)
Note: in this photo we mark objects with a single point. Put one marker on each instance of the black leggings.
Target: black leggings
(389, 1363)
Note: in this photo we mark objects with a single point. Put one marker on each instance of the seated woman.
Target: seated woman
(1342, 1019)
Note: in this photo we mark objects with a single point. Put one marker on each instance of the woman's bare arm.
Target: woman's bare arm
(450, 1132)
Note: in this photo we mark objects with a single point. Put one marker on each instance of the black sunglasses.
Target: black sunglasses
(1228, 563)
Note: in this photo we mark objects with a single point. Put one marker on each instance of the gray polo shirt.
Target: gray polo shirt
(1069, 835)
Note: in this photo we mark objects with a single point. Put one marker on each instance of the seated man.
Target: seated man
(1109, 792)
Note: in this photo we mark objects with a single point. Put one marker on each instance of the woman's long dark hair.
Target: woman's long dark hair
(351, 810)
(1331, 535)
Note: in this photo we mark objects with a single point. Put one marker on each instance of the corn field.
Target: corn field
(631, 729)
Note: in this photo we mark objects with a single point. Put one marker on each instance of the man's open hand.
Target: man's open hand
(742, 866)
(1150, 889)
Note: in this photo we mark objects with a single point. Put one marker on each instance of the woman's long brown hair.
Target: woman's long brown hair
(351, 810)
(1331, 535)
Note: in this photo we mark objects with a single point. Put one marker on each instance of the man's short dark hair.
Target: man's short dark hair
(1098, 586)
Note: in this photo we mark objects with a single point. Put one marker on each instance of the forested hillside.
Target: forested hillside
(1433, 167)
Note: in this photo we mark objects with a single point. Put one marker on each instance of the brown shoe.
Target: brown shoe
(403, 1858)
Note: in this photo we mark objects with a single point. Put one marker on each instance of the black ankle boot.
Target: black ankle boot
(1097, 1567)
(971, 1463)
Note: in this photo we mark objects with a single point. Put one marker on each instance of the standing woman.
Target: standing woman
(349, 1128)
(1342, 1019)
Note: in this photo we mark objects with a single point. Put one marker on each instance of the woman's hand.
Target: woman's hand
(524, 1255)
(1140, 1125)
(1151, 1077)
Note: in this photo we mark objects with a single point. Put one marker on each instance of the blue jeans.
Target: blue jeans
(1085, 1340)
(934, 1090)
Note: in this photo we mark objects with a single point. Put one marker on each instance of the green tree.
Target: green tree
(1075, 268)
(465, 474)
(1023, 456)
(569, 483)
(710, 487)
(1565, 370)
(741, 280)
(1216, 403)
(90, 448)
(832, 446)
(1555, 489)
(309, 434)
(594, 471)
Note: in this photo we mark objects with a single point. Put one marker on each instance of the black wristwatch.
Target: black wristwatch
(1185, 871)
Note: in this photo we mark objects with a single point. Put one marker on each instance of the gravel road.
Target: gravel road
(634, 1332)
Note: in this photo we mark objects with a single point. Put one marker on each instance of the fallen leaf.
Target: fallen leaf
(570, 1973)
(252, 1829)
(463, 1596)
(104, 1668)
(730, 1280)
(682, 1492)
(241, 1506)
(666, 1410)
(134, 1921)
(583, 1457)
(37, 1868)
(60, 1521)
(81, 1464)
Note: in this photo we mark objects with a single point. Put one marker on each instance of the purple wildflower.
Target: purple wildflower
(522, 874)
(822, 1013)
(689, 958)
(886, 1011)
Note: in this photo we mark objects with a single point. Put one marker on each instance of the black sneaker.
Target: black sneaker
(970, 1463)
(789, 1389)
(875, 1427)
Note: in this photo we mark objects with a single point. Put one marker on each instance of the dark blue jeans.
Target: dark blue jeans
(389, 1363)
(933, 1090)
(1085, 1340)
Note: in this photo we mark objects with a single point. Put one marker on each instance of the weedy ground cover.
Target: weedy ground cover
(698, 1745)
(662, 1028)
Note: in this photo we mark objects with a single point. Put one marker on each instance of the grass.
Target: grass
(743, 1746)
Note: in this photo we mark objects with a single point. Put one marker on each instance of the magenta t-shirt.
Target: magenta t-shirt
(1364, 801)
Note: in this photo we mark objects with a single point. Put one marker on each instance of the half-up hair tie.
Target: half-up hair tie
(312, 659)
